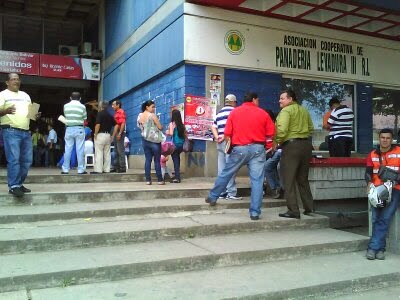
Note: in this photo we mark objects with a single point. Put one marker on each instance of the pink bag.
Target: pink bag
(167, 148)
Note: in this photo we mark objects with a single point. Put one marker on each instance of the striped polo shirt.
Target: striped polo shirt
(341, 122)
(221, 118)
(75, 113)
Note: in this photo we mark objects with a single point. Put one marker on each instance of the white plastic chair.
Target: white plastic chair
(89, 160)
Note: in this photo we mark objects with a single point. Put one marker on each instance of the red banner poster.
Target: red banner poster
(19, 62)
(69, 67)
(199, 117)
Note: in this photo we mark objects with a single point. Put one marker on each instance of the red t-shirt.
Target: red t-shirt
(249, 124)
(120, 117)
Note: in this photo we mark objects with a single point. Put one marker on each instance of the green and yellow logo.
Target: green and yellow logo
(234, 42)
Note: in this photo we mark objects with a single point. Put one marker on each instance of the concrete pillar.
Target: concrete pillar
(102, 45)
(1, 32)
(394, 234)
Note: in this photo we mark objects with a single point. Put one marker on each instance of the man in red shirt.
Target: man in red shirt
(120, 120)
(248, 127)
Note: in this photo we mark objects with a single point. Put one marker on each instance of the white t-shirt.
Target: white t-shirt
(89, 147)
(21, 100)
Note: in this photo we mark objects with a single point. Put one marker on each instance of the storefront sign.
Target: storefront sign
(69, 67)
(331, 54)
(199, 117)
(19, 62)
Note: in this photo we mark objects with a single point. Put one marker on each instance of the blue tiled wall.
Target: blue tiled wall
(266, 85)
(364, 118)
(166, 90)
(123, 17)
(155, 57)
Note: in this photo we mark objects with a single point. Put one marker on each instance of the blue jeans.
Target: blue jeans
(252, 155)
(74, 135)
(231, 189)
(152, 150)
(271, 170)
(18, 149)
(381, 218)
(176, 158)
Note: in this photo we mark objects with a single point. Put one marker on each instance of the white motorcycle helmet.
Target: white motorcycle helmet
(381, 195)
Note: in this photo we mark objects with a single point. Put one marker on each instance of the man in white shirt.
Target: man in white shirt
(50, 147)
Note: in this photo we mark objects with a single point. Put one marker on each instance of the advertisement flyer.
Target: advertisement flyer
(69, 67)
(215, 87)
(199, 117)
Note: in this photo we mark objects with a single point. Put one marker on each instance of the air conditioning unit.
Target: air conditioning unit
(67, 50)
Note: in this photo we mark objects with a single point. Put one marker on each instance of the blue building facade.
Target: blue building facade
(160, 50)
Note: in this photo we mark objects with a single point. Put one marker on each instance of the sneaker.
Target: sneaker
(83, 173)
(17, 192)
(371, 254)
(176, 180)
(222, 196)
(24, 189)
(380, 255)
(64, 173)
(232, 197)
(254, 218)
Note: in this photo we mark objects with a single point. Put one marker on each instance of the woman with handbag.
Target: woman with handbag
(177, 130)
(151, 139)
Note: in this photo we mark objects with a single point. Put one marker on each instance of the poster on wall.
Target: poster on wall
(19, 62)
(215, 87)
(199, 117)
(69, 67)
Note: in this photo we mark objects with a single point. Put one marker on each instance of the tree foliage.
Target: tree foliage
(318, 93)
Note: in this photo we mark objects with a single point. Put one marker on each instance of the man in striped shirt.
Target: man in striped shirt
(218, 132)
(75, 114)
(341, 129)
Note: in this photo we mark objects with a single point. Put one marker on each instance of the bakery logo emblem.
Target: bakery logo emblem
(234, 42)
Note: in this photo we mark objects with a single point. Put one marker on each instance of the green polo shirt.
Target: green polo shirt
(293, 121)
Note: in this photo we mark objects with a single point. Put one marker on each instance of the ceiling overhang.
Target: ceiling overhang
(350, 16)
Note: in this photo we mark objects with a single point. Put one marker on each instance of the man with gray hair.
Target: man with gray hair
(102, 139)
(218, 131)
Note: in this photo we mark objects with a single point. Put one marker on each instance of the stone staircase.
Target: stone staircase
(112, 237)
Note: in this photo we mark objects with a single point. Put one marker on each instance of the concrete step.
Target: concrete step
(210, 253)
(53, 175)
(34, 213)
(44, 194)
(58, 235)
(315, 277)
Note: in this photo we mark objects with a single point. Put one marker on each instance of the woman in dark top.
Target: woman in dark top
(177, 130)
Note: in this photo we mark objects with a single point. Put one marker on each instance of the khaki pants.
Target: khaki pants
(102, 160)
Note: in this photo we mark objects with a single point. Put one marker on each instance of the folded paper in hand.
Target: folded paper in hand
(33, 110)
(62, 119)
